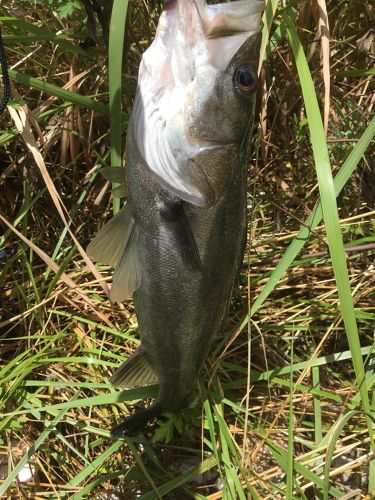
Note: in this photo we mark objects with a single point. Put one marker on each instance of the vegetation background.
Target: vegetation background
(285, 407)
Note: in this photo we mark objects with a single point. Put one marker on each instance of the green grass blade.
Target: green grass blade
(371, 476)
(49, 37)
(355, 73)
(143, 468)
(32, 403)
(318, 431)
(230, 457)
(96, 464)
(267, 19)
(315, 217)
(94, 324)
(340, 424)
(114, 397)
(371, 469)
(290, 454)
(179, 481)
(281, 457)
(317, 409)
(23, 27)
(57, 344)
(84, 492)
(211, 430)
(331, 217)
(322, 361)
(115, 57)
(51, 426)
(55, 90)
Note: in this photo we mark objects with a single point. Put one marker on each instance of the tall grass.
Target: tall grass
(116, 44)
(294, 421)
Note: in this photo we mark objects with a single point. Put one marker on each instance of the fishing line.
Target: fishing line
(4, 76)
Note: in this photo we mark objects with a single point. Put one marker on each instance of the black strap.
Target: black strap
(5, 76)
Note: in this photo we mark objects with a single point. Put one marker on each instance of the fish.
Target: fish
(178, 241)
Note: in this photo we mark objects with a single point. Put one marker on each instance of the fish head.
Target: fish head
(196, 88)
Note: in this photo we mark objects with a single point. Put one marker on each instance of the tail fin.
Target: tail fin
(134, 424)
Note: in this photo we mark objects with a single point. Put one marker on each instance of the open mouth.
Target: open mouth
(210, 30)
(209, 2)
(212, 2)
(223, 19)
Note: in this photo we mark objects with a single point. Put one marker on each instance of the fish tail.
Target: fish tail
(134, 424)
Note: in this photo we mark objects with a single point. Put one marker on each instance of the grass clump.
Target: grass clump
(287, 393)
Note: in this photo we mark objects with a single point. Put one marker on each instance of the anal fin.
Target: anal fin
(136, 371)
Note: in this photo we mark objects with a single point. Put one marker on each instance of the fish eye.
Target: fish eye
(245, 79)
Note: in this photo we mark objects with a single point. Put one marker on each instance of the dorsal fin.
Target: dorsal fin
(116, 245)
(127, 276)
(109, 244)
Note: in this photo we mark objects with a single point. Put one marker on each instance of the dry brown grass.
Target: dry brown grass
(61, 338)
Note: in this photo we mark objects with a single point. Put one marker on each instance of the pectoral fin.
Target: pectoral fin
(114, 174)
(120, 191)
(134, 372)
(174, 215)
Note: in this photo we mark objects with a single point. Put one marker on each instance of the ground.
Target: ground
(278, 409)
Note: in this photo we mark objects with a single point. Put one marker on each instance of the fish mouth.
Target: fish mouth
(221, 19)
(217, 30)
(206, 144)
(229, 18)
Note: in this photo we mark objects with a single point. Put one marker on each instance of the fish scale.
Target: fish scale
(178, 241)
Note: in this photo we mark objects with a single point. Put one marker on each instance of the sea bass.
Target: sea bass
(177, 243)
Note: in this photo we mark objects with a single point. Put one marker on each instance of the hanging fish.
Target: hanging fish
(178, 241)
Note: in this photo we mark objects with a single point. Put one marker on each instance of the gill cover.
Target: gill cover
(179, 72)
